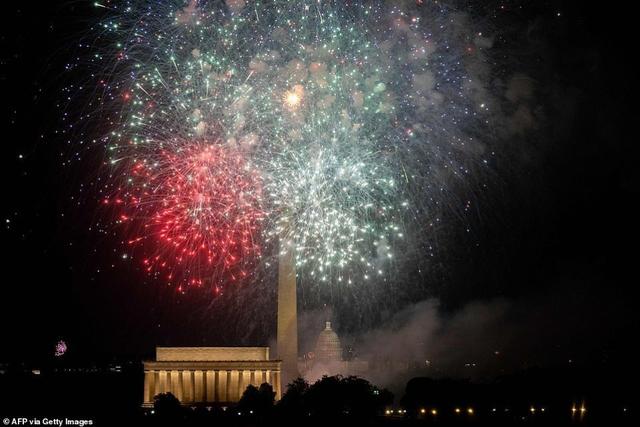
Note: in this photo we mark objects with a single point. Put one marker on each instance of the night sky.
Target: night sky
(553, 237)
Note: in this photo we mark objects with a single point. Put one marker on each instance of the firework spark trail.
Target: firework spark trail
(348, 124)
(201, 210)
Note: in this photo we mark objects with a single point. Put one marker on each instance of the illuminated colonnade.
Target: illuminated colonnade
(200, 375)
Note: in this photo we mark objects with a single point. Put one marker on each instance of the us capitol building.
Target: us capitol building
(326, 359)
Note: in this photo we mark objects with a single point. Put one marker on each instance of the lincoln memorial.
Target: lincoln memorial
(202, 375)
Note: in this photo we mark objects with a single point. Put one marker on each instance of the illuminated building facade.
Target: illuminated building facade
(326, 359)
(208, 375)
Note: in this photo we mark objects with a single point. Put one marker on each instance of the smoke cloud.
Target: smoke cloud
(482, 339)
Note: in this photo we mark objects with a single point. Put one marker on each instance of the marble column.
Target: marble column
(209, 381)
(232, 394)
(173, 384)
(187, 386)
(241, 385)
(276, 383)
(148, 391)
(180, 385)
(217, 393)
(228, 394)
(162, 381)
(199, 390)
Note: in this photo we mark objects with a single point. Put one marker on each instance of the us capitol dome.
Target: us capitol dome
(326, 358)
(328, 347)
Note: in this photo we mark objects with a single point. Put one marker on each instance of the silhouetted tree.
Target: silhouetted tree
(335, 397)
(167, 407)
(249, 398)
(267, 395)
(292, 402)
(325, 398)
(257, 400)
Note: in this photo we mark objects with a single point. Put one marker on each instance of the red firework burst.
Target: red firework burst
(195, 213)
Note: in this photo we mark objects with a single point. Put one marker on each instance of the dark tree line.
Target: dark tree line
(335, 397)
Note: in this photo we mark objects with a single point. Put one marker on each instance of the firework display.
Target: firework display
(60, 349)
(200, 206)
(333, 128)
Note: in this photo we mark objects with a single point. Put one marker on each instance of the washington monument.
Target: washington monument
(287, 333)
